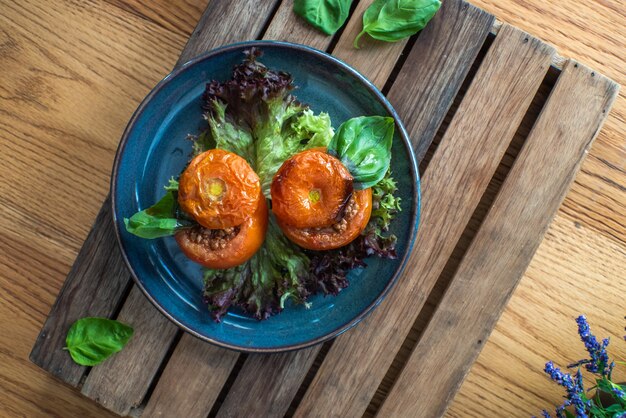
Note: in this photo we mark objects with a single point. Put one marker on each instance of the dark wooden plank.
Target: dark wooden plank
(271, 394)
(94, 287)
(286, 26)
(111, 386)
(191, 380)
(99, 277)
(504, 245)
(439, 61)
(225, 22)
(453, 184)
(121, 382)
(380, 56)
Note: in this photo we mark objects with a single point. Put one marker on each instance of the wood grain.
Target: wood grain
(502, 250)
(269, 395)
(72, 76)
(435, 69)
(225, 22)
(286, 26)
(578, 267)
(379, 56)
(92, 288)
(434, 49)
(206, 36)
(121, 382)
(191, 380)
(473, 144)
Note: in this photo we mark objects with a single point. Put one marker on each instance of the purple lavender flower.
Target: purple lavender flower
(599, 359)
(545, 414)
(574, 388)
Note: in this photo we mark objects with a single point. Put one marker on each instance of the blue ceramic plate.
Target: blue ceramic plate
(154, 148)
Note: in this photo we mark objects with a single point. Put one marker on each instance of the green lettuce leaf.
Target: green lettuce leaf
(262, 285)
(255, 116)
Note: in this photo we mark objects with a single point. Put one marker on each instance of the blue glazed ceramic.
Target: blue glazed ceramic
(154, 148)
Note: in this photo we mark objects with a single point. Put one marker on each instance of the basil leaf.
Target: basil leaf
(159, 220)
(90, 341)
(326, 15)
(392, 20)
(363, 145)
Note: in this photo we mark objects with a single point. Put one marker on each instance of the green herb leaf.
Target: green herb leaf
(363, 145)
(568, 414)
(325, 15)
(614, 408)
(392, 20)
(90, 341)
(159, 220)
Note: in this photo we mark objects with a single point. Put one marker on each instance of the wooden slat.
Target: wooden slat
(98, 278)
(191, 380)
(113, 387)
(435, 69)
(93, 287)
(285, 26)
(502, 248)
(379, 56)
(440, 59)
(453, 184)
(270, 393)
(225, 22)
(121, 382)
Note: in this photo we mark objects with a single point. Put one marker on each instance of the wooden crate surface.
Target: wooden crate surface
(494, 115)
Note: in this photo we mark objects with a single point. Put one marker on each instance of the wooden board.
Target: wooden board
(501, 250)
(463, 164)
(473, 143)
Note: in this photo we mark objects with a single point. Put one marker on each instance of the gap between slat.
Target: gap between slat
(227, 385)
(319, 359)
(268, 20)
(480, 213)
(399, 64)
(136, 411)
(337, 35)
(114, 315)
(423, 163)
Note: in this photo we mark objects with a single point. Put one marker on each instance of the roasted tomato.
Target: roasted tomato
(310, 189)
(219, 189)
(228, 247)
(356, 215)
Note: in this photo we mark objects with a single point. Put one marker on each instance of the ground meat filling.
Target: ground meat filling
(215, 239)
(350, 210)
(348, 213)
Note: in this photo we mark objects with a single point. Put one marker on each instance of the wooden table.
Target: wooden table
(75, 72)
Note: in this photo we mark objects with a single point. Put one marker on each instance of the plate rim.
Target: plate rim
(415, 209)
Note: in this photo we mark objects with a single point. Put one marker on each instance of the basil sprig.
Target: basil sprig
(326, 15)
(159, 220)
(392, 20)
(90, 341)
(363, 145)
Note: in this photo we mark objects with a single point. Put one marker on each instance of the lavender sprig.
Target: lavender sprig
(599, 359)
(574, 387)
